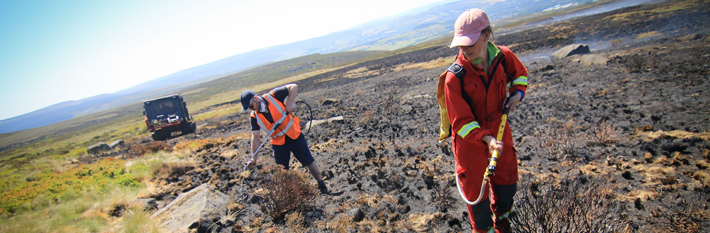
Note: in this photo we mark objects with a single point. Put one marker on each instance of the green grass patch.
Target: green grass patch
(51, 187)
(78, 199)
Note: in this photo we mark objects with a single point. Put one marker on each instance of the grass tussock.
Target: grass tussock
(675, 134)
(137, 220)
(562, 140)
(605, 134)
(287, 192)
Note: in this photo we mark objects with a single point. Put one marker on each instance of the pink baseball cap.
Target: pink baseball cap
(468, 27)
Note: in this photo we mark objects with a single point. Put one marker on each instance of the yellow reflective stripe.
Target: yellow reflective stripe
(467, 128)
(521, 80)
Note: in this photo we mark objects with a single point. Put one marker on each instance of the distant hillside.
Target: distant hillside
(132, 110)
(387, 34)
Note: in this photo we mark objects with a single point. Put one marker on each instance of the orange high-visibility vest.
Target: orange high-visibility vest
(289, 126)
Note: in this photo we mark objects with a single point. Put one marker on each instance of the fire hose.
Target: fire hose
(493, 161)
(310, 118)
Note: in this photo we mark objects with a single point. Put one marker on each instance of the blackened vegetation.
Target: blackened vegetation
(286, 192)
(580, 205)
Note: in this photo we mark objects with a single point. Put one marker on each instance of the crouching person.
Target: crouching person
(287, 137)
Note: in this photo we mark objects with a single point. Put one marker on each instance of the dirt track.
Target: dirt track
(635, 128)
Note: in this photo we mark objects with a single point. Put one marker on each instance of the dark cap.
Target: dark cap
(247, 95)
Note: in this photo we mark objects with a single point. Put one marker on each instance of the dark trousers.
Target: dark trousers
(480, 214)
(299, 148)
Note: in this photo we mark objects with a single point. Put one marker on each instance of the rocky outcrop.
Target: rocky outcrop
(189, 207)
(570, 50)
(117, 143)
(97, 148)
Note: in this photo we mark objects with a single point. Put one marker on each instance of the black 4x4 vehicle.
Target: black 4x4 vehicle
(166, 115)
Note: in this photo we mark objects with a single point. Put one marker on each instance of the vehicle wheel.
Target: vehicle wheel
(193, 126)
(158, 135)
(188, 128)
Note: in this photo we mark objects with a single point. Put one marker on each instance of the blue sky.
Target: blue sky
(58, 50)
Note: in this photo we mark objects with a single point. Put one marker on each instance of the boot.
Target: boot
(322, 187)
(502, 224)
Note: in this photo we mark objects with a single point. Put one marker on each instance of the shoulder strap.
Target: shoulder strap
(505, 65)
(460, 73)
(457, 70)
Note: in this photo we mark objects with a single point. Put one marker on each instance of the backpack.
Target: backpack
(460, 73)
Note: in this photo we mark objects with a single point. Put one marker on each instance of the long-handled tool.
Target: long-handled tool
(273, 129)
(491, 169)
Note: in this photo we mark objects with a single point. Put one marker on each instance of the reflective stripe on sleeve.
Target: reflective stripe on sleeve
(522, 80)
(467, 128)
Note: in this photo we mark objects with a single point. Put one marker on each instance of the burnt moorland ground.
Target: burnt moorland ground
(620, 146)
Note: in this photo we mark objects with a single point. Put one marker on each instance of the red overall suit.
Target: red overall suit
(468, 129)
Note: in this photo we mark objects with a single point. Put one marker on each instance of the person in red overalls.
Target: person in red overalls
(491, 74)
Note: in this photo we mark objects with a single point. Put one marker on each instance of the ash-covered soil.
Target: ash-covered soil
(634, 132)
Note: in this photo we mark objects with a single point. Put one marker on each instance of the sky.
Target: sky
(53, 51)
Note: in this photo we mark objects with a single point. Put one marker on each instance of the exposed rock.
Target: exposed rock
(189, 207)
(338, 119)
(97, 148)
(117, 143)
(570, 50)
(357, 214)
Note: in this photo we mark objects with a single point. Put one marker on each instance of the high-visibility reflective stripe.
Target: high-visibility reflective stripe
(521, 80)
(504, 216)
(283, 114)
(288, 126)
(273, 101)
(261, 124)
(467, 128)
